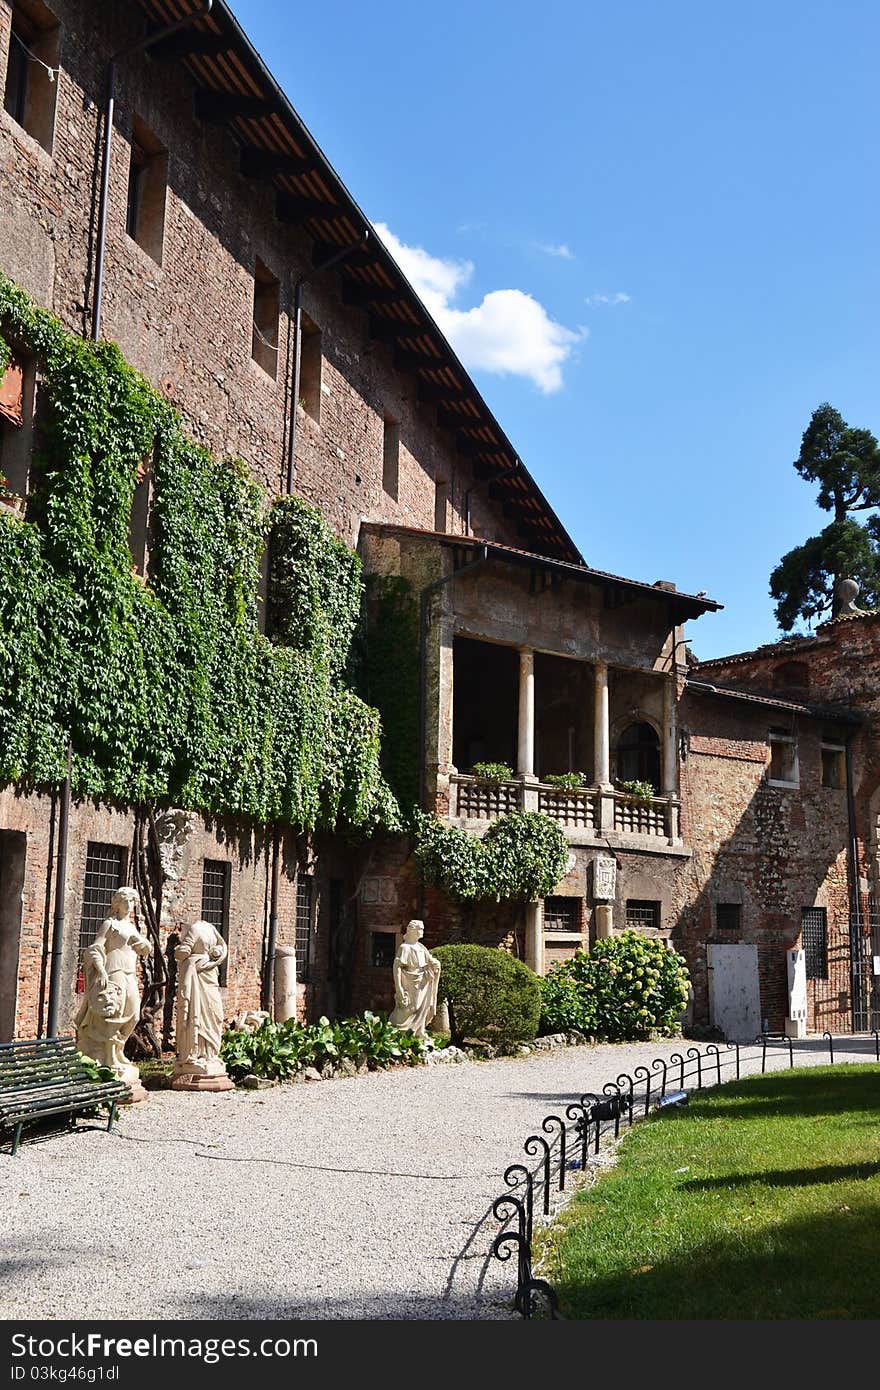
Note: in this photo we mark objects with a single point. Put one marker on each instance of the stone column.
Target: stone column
(604, 919)
(534, 938)
(670, 737)
(602, 728)
(526, 741)
(285, 983)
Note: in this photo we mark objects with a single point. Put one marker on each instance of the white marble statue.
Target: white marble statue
(416, 977)
(198, 1021)
(847, 593)
(112, 1002)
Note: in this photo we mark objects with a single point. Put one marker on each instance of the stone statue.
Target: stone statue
(416, 977)
(199, 1018)
(173, 829)
(847, 593)
(112, 1002)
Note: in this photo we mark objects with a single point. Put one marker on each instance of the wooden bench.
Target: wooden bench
(40, 1077)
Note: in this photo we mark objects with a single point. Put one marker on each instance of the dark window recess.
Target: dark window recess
(383, 948)
(139, 527)
(833, 763)
(391, 458)
(267, 304)
(310, 368)
(441, 500)
(638, 755)
(562, 914)
(147, 184)
(105, 872)
(642, 916)
(783, 758)
(814, 937)
(215, 901)
(728, 916)
(31, 86)
(304, 890)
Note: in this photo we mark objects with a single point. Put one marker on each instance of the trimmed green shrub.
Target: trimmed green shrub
(626, 987)
(493, 773)
(492, 996)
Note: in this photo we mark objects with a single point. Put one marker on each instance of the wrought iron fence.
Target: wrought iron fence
(567, 1141)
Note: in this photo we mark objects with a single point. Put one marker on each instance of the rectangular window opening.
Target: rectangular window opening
(814, 938)
(728, 916)
(783, 758)
(833, 762)
(31, 87)
(147, 185)
(563, 914)
(383, 948)
(642, 916)
(304, 896)
(391, 458)
(267, 305)
(216, 877)
(441, 498)
(105, 872)
(310, 368)
(139, 526)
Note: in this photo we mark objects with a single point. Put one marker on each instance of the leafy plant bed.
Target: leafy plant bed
(279, 1051)
(760, 1199)
(156, 1075)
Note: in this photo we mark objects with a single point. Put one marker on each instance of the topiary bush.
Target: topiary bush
(626, 987)
(492, 996)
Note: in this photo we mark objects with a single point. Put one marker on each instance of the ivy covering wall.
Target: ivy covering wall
(167, 688)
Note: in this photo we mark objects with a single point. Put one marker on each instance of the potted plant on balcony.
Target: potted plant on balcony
(492, 774)
(642, 792)
(10, 501)
(566, 781)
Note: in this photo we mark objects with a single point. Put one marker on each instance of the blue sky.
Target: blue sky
(649, 229)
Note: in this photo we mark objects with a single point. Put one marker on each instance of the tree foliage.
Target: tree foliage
(845, 463)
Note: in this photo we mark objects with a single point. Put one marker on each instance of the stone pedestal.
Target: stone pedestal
(604, 915)
(534, 938)
(795, 1027)
(440, 1021)
(201, 1076)
(285, 983)
(132, 1077)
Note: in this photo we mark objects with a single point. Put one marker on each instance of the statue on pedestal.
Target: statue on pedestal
(198, 1025)
(111, 1002)
(416, 977)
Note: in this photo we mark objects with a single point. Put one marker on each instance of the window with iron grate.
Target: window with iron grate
(304, 894)
(642, 916)
(562, 914)
(728, 916)
(814, 937)
(215, 902)
(105, 872)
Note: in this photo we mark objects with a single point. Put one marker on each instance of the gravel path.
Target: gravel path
(362, 1198)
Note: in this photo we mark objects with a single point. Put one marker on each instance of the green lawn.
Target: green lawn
(760, 1199)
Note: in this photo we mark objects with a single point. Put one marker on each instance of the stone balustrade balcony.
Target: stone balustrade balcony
(585, 814)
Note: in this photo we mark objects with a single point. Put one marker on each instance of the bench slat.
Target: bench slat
(40, 1077)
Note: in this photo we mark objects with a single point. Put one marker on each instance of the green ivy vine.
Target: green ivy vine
(387, 675)
(167, 688)
(521, 857)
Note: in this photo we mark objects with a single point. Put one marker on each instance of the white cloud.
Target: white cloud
(508, 332)
(563, 252)
(618, 298)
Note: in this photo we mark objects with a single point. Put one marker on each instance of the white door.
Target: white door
(734, 996)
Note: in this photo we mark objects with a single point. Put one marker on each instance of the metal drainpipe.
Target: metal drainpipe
(424, 598)
(60, 892)
(296, 315)
(855, 913)
(140, 46)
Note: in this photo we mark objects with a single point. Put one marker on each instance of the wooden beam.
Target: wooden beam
(359, 295)
(389, 330)
(471, 448)
(258, 164)
(405, 360)
(323, 251)
(430, 391)
(457, 420)
(189, 43)
(216, 108)
(294, 210)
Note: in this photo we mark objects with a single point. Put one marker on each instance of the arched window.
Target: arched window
(638, 755)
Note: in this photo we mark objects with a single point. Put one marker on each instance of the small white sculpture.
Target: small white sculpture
(198, 1023)
(847, 593)
(173, 829)
(416, 977)
(112, 1003)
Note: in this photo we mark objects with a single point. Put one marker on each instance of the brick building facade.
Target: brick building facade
(237, 273)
